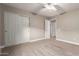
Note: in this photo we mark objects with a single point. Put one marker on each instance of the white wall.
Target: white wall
(68, 27)
(37, 27)
(47, 29)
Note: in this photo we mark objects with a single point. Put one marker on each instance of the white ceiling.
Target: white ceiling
(38, 8)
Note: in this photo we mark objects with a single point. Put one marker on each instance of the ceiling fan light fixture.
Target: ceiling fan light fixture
(50, 7)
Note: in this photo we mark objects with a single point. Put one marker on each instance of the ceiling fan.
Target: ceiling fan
(50, 6)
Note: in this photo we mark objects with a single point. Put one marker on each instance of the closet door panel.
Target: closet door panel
(16, 28)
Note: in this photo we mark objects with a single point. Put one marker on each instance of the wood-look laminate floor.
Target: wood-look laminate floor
(47, 47)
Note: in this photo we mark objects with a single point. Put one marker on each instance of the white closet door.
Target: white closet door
(16, 28)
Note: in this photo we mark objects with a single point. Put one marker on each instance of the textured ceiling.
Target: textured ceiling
(39, 8)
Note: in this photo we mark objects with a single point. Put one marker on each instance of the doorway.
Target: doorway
(53, 29)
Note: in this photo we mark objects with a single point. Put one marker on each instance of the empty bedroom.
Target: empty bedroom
(39, 29)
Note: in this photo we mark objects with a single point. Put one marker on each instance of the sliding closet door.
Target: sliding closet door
(16, 28)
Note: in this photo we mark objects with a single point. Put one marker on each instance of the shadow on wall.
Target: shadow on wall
(68, 27)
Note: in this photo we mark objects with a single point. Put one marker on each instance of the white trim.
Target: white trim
(76, 43)
(36, 40)
(23, 42)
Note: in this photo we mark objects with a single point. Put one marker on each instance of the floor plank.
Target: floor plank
(47, 47)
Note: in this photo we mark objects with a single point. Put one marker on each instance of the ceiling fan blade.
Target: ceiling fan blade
(59, 9)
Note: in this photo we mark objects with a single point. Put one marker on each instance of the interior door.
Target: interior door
(52, 29)
(16, 28)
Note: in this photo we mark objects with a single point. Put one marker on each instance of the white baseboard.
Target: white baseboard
(75, 43)
(36, 40)
(23, 42)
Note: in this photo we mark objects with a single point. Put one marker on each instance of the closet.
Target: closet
(16, 28)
